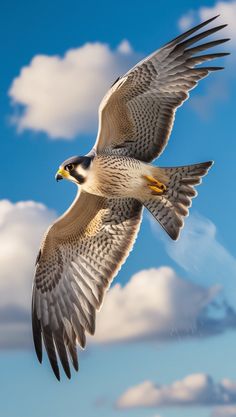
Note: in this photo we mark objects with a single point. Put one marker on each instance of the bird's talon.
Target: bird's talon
(154, 185)
(156, 190)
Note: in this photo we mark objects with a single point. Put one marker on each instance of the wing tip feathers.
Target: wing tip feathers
(186, 35)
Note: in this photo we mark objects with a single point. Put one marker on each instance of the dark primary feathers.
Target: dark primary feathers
(137, 114)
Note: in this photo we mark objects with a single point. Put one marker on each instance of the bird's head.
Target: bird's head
(75, 169)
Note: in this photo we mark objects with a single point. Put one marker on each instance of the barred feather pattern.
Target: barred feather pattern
(170, 208)
(73, 274)
(137, 114)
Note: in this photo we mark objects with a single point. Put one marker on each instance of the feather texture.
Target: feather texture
(170, 208)
(137, 114)
(79, 259)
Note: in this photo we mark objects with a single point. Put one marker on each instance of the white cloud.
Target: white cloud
(186, 21)
(125, 47)
(196, 389)
(60, 95)
(224, 411)
(201, 254)
(21, 228)
(154, 304)
(157, 304)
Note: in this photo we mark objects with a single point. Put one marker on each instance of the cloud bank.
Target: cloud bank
(155, 304)
(196, 389)
(158, 305)
(225, 411)
(201, 254)
(21, 228)
(60, 95)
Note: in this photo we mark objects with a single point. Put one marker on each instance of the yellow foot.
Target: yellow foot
(154, 185)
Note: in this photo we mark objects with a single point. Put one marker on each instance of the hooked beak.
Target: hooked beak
(61, 173)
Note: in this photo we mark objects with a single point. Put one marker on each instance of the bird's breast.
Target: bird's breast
(112, 176)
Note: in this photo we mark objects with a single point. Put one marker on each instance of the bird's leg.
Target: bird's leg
(154, 185)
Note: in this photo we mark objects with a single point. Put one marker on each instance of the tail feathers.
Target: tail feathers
(170, 208)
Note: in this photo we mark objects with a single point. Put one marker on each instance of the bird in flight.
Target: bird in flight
(84, 249)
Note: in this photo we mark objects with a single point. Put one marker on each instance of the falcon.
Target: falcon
(84, 249)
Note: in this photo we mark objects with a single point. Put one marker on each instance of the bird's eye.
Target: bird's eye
(69, 167)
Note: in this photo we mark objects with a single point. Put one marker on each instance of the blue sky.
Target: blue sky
(203, 258)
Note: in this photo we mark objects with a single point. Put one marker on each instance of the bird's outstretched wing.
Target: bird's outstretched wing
(79, 256)
(137, 114)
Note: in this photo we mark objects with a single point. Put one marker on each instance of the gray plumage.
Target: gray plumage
(84, 249)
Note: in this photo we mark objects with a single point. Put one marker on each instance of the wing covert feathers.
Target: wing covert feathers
(137, 114)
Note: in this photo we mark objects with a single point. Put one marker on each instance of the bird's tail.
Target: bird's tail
(170, 208)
